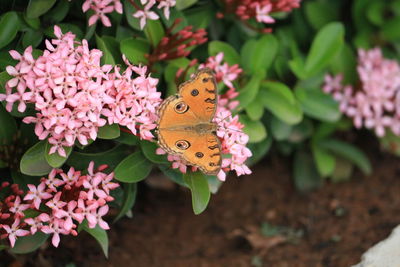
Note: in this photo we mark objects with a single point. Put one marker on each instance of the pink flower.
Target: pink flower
(72, 93)
(262, 13)
(14, 231)
(101, 9)
(98, 215)
(18, 208)
(166, 5)
(37, 194)
(375, 104)
(146, 13)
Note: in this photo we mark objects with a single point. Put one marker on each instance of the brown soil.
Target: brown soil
(338, 223)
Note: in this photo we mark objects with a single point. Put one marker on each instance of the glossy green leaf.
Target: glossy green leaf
(135, 50)
(255, 110)
(320, 13)
(306, 177)
(8, 127)
(149, 150)
(133, 168)
(37, 8)
(106, 48)
(259, 54)
(250, 90)
(231, 56)
(27, 244)
(58, 13)
(198, 185)
(280, 101)
(98, 233)
(9, 26)
(255, 129)
(280, 130)
(259, 150)
(34, 162)
(109, 131)
(318, 105)
(324, 160)
(183, 4)
(154, 31)
(349, 152)
(112, 158)
(55, 160)
(173, 174)
(32, 38)
(128, 139)
(130, 191)
(326, 45)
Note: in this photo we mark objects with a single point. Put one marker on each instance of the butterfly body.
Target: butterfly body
(186, 126)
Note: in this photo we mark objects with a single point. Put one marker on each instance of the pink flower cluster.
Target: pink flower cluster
(101, 8)
(375, 102)
(144, 12)
(72, 93)
(259, 9)
(60, 202)
(230, 130)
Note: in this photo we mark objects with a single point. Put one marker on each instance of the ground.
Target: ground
(332, 226)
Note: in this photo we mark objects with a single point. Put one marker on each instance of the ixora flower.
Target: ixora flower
(72, 93)
(375, 103)
(101, 8)
(233, 139)
(258, 9)
(61, 202)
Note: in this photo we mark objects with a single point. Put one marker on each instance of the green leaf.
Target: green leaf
(318, 105)
(259, 55)
(135, 50)
(280, 130)
(390, 29)
(55, 160)
(58, 13)
(183, 4)
(109, 131)
(305, 174)
(324, 160)
(133, 168)
(255, 110)
(231, 56)
(149, 150)
(37, 8)
(8, 127)
(198, 185)
(346, 64)
(343, 170)
(9, 26)
(173, 174)
(200, 17)
(128, 139)
(259, 150)
(130, 191)
(106, 48)
(154, 31)
(324, 48)
(98, 233)
(320, 13)
(110, 157)
(280, 101)
(30, 243)
(349, 152)
(255, 129)
(32, 38)
(34, 162)
(250, 90)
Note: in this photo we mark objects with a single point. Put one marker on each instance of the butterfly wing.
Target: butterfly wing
(200, 94)
(200, 150)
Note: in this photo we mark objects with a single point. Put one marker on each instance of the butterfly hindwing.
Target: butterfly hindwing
(203, 151)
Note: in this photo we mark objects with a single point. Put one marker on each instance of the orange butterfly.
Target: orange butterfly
(186, 127)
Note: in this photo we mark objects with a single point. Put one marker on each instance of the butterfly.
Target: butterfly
(185, 126)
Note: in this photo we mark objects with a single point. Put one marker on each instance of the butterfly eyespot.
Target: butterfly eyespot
(205, 80)
(199, 155)
(211, 164)
(181, 107)
(195, 92)
(182, 144)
